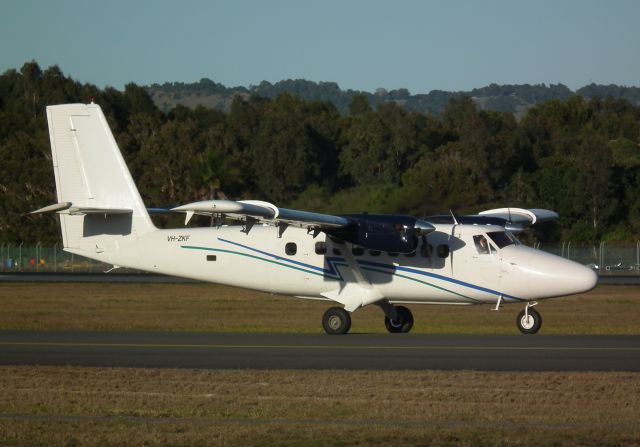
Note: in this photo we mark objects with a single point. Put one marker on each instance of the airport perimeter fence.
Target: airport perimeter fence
(606, 258)
(38, 258)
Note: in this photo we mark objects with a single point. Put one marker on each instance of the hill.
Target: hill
(515, 99)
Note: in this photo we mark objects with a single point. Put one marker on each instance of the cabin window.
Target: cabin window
(443, 250)
(374, 252)
(336, 251)
(211, 257)
(321, 247)
(357, 251)
(291, 248)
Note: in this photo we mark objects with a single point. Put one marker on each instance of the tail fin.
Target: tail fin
(98, 200)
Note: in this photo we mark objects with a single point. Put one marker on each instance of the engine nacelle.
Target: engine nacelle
(390, 233)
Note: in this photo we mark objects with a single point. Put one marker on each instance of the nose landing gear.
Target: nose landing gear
(529, 320)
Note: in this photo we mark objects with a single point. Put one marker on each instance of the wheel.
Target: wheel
(529, 324)
(336, 321)
(404, 322)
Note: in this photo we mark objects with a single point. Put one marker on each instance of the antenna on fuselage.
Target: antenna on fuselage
(455, 221)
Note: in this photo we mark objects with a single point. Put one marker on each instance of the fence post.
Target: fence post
(20, 256)
(601, 255)
(38, 255)
(2, 256)
(55, 257)
(569, 250)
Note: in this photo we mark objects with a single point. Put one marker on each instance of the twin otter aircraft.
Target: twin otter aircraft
(351, 260)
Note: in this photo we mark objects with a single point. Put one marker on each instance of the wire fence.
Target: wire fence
(39, 258)
(606, 258)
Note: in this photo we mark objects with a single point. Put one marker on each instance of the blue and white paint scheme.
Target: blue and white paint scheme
(352, 260)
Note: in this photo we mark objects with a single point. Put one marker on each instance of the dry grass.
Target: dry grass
(90, 406)
(204, 307)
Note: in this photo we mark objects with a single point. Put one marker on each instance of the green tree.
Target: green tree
(378, 147)
(359, 104)
(558, 187)
(448, 180)
(595, 164)
(165, 163)
(285, 159)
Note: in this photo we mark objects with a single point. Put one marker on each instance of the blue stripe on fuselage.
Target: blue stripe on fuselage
(334, 273)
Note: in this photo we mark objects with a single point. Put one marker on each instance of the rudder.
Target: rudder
(97, 197)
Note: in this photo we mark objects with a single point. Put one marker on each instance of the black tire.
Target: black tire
(533, 325)
(336, 321)
(404, 323)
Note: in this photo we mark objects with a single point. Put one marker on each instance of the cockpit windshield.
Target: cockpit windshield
(502, 238)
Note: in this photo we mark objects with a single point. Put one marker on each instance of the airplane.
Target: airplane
(351, 260)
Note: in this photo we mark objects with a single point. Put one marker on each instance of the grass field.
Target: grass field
(204, 307)
(68, 406)
(100, 407)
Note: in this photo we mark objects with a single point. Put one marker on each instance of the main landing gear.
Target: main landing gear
(401, 323)
(336, 321)
(529, 320)
(397, 319)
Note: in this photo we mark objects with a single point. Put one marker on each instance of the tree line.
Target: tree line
(576, 156)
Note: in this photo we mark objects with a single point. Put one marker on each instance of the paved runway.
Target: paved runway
(315, 351)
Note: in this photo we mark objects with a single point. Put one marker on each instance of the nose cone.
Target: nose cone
(566, 277)
(545, 275)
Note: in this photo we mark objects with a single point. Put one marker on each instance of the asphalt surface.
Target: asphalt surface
(319, 351)
(153, 278)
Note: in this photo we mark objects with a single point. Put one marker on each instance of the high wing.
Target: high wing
(519, 215)
(383, 232)
(394, 233)
(263, 212)
(512, 219)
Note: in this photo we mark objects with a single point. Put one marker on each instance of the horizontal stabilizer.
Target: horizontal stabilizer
(52, 208)
(77, 211)
(68, 208)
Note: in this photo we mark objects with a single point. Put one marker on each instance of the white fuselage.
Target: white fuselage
(300, 265)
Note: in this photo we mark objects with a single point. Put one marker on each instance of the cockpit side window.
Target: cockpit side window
(482, 246)
(502, 238)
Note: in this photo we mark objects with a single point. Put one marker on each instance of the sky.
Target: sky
(421, 45)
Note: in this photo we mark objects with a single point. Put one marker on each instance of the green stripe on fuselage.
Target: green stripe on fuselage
(340, 264)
